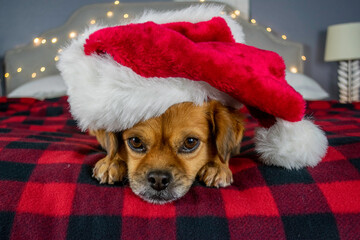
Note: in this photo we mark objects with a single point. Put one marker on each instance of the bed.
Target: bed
(47, 192)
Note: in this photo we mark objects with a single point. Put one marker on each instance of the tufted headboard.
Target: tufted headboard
(38, 58)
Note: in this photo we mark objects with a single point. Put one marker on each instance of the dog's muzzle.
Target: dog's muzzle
(158, 186)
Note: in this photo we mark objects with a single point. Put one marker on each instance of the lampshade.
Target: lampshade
(343, 42)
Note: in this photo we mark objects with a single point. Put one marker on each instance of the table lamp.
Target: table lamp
(343, 45)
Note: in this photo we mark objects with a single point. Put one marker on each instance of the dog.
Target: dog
(162, 156)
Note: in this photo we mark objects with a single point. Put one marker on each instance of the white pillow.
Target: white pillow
(47, 87)
(306, 86)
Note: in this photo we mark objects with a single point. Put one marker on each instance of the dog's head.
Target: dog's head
(164, 154)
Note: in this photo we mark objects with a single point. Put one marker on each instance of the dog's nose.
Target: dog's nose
(159, 180)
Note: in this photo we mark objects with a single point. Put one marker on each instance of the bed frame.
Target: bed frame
(37, 59)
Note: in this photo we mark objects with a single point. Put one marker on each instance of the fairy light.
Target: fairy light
(37, 41)
(56, 58)
(303, 58)
(43, 41)
(268, 29)
(293, 70)
(126, 15)
(92, 21)
(7, 75)
(109, 14)
(284, 37)
(72, 35)
(60, 50)
(237, 12)
(202, 0)
(42, 69)
(116, 2)
(19, 69)
(33, 75)
(54, 40)
(253, 21)
(233, 15)
(222, 12)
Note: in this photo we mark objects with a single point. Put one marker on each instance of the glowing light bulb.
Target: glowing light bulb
(19, 69)
(293, 70)
(109, 14)
(37, 41)
(202, 0)
(92, 21)
(126, 15)
(56, 58)
(237, 12)
(43, 41)
(268, 29)
(303, 58)
(72, 35)
(233, 15)
(253, 21)
(284, 37)
(42, 69)
(60, 50)
(222, 12)
(33, 75)
(54, 40)
(7, 75)
(116, 2)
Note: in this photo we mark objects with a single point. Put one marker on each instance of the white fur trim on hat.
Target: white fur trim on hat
(106, 95)
(292, 145)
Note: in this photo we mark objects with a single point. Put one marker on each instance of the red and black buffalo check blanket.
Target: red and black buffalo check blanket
(47, 192)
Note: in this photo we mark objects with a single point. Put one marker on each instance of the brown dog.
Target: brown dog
(162, 156)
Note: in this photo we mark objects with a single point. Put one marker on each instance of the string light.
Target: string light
(109, 14)
(126, 15)
(116, 2)
(19, 69)
(7, 75)
(60, 50)
(284, 37)
(222, 12)
(268, 29)
(202, 0)
(92, 21)
(233, 15)
(303, 58)
(253, 21)
(54, 40)
(37, 41)
(42, 69)
(72, 35)
(237, 12)
(293, 70)
(33, 75)
(43, 41)
(56, 58)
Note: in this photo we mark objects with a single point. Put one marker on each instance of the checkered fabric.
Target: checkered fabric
(47, 192)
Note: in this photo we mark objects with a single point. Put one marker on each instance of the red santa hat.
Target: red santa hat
(118, 76)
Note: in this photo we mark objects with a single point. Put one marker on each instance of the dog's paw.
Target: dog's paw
(216, 175)
(107, 171)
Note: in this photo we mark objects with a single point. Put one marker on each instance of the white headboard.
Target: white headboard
(38, 58)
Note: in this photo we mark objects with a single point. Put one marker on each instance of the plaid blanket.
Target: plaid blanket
(47, 192)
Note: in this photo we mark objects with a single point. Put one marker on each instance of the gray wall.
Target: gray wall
(303, 21)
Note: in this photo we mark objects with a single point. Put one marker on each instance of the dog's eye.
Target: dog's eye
(189, 145)
(136, 144)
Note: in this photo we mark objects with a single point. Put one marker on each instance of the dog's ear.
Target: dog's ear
(107, 140)
(227, 126)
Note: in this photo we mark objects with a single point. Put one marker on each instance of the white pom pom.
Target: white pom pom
(291, 145)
